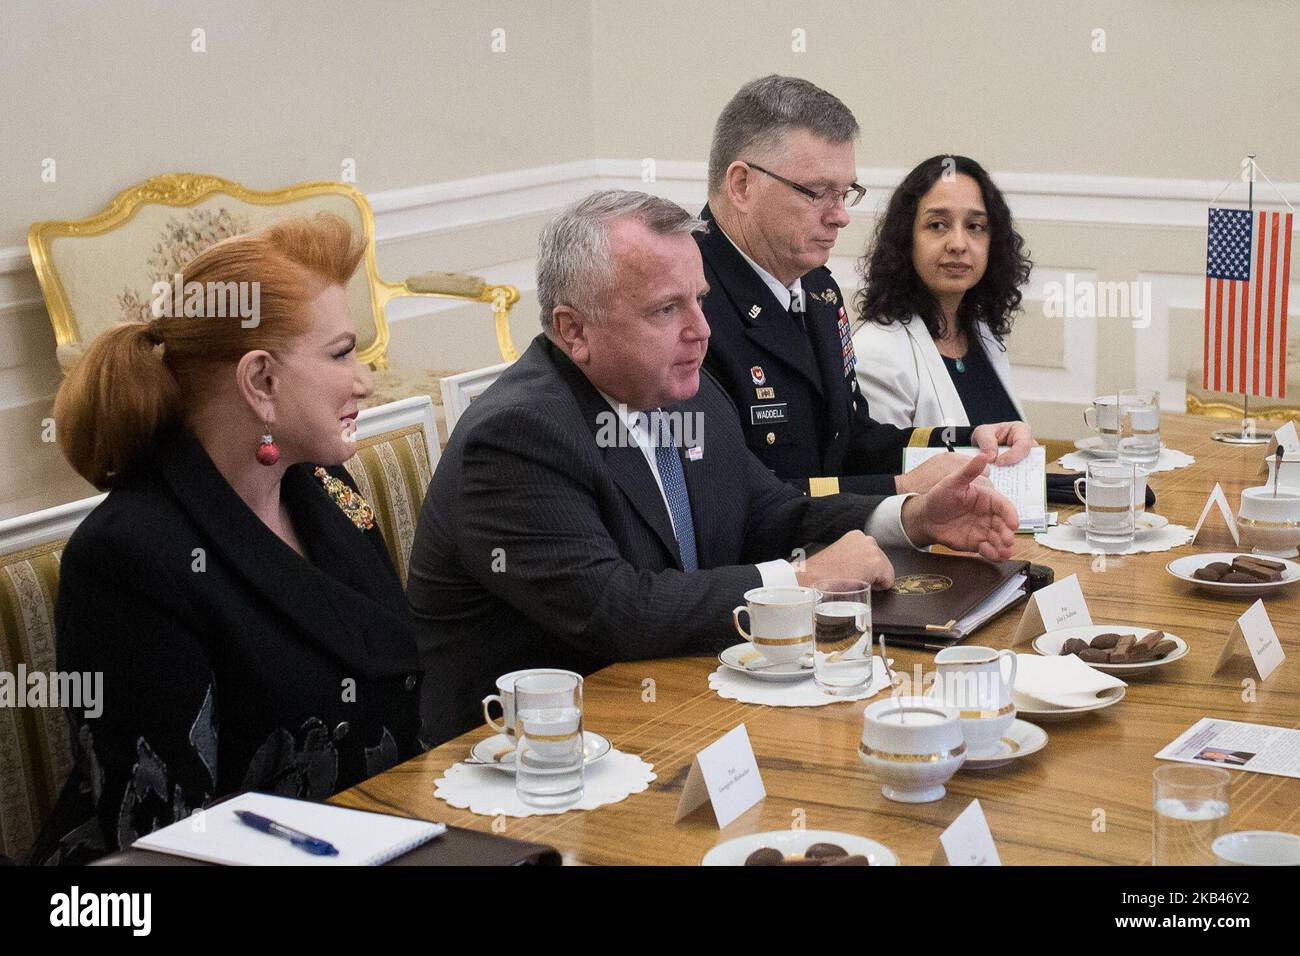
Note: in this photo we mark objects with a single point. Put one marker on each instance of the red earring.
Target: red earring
(268, 452)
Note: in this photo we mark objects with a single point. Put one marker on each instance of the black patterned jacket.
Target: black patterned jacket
(229, 661)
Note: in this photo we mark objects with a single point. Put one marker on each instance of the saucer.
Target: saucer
(1143, 524)
(735, 657)
(1092, 445)
(498, 752)
(794, 843)
(1020, 740)
(1107, 698)
(1049, 645)
(1182, 568)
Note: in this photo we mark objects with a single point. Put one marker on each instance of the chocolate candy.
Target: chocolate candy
(1163, 649)
(1207, 574)
(1257, 568)
(1152, 639)
(1124, 643)
(819, 854)
(1073, 646)
(824, 851)
(1095, 655)
(1238, 577)
(1105, 641)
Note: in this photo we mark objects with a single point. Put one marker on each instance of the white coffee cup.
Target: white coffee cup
(1257, 848)
(780, 622)
(505, 696)
(970, 679)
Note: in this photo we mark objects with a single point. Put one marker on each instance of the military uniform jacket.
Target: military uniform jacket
(797, 394)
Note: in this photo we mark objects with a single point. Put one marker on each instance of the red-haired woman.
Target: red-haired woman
(233, 589)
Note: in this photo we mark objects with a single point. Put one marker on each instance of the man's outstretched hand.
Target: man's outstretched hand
(963, 514)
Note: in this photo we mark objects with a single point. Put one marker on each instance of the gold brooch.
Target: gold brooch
(354, 506)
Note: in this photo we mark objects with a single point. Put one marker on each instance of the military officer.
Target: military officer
(781, 176)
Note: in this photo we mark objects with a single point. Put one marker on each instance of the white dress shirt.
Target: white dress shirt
(885, 523)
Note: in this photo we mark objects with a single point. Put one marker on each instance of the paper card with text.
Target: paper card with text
(1286, 437)
(725, 774)
(1058, 605)
(1256, 630)
(1217, 497)
(967, 841)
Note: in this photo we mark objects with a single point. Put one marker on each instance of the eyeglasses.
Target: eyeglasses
(827, 198)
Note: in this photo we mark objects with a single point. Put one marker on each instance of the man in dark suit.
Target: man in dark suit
(781, 176)
(597, 503)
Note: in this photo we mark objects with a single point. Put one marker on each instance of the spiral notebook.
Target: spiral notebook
(216, 835)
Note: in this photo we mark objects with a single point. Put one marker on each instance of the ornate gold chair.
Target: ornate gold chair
(99, 271)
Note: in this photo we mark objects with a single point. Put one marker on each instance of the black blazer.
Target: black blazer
(230, 662)
(540, 544)
(801, 410)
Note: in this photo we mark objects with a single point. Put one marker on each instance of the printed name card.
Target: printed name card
(725, 774)
(1217, 497)
(1286, 437)
(967, 841)
(1256, 630)
(1057, 606)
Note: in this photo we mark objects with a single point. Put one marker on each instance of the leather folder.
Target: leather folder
(937, 599)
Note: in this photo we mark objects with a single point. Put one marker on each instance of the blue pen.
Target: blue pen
(296, 837)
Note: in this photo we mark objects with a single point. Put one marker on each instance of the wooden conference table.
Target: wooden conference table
(1085, 798)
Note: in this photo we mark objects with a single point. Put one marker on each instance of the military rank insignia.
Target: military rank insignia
(846, 343)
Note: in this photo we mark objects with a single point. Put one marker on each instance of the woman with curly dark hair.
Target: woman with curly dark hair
(940, 286)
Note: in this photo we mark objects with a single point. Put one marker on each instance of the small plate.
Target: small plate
(1021, 739)
(1092, 445)
(1107, 698)
(1049, 645)
(734, 658)
(1144, 524)
(1182, 568)
(499, 752)
(795, 842)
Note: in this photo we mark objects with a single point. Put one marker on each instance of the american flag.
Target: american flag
(1247, 272)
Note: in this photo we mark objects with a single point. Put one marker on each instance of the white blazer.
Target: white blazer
(904, 380)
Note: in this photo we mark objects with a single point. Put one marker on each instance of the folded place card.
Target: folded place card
(725, 774)
(967, 841)
(1052, 608)
(1286, 437)
(1256, 630)
(1217, 497)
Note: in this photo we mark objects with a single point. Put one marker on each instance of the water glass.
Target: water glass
(1139, 431)
(842, 637)
(1190, 811)
(1109, 501)
(549, 743)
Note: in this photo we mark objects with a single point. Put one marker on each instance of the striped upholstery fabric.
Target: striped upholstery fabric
(35, 754)
(392, 472)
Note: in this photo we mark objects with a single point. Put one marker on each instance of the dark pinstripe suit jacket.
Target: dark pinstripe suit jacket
(537, 546)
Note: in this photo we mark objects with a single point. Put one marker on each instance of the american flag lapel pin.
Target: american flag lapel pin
(695, 453)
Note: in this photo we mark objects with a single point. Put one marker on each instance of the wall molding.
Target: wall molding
(438, 208)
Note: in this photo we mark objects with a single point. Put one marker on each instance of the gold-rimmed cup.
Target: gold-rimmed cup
(780, 621)
(913, 745)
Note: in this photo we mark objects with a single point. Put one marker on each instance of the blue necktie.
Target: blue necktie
(674, 482)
